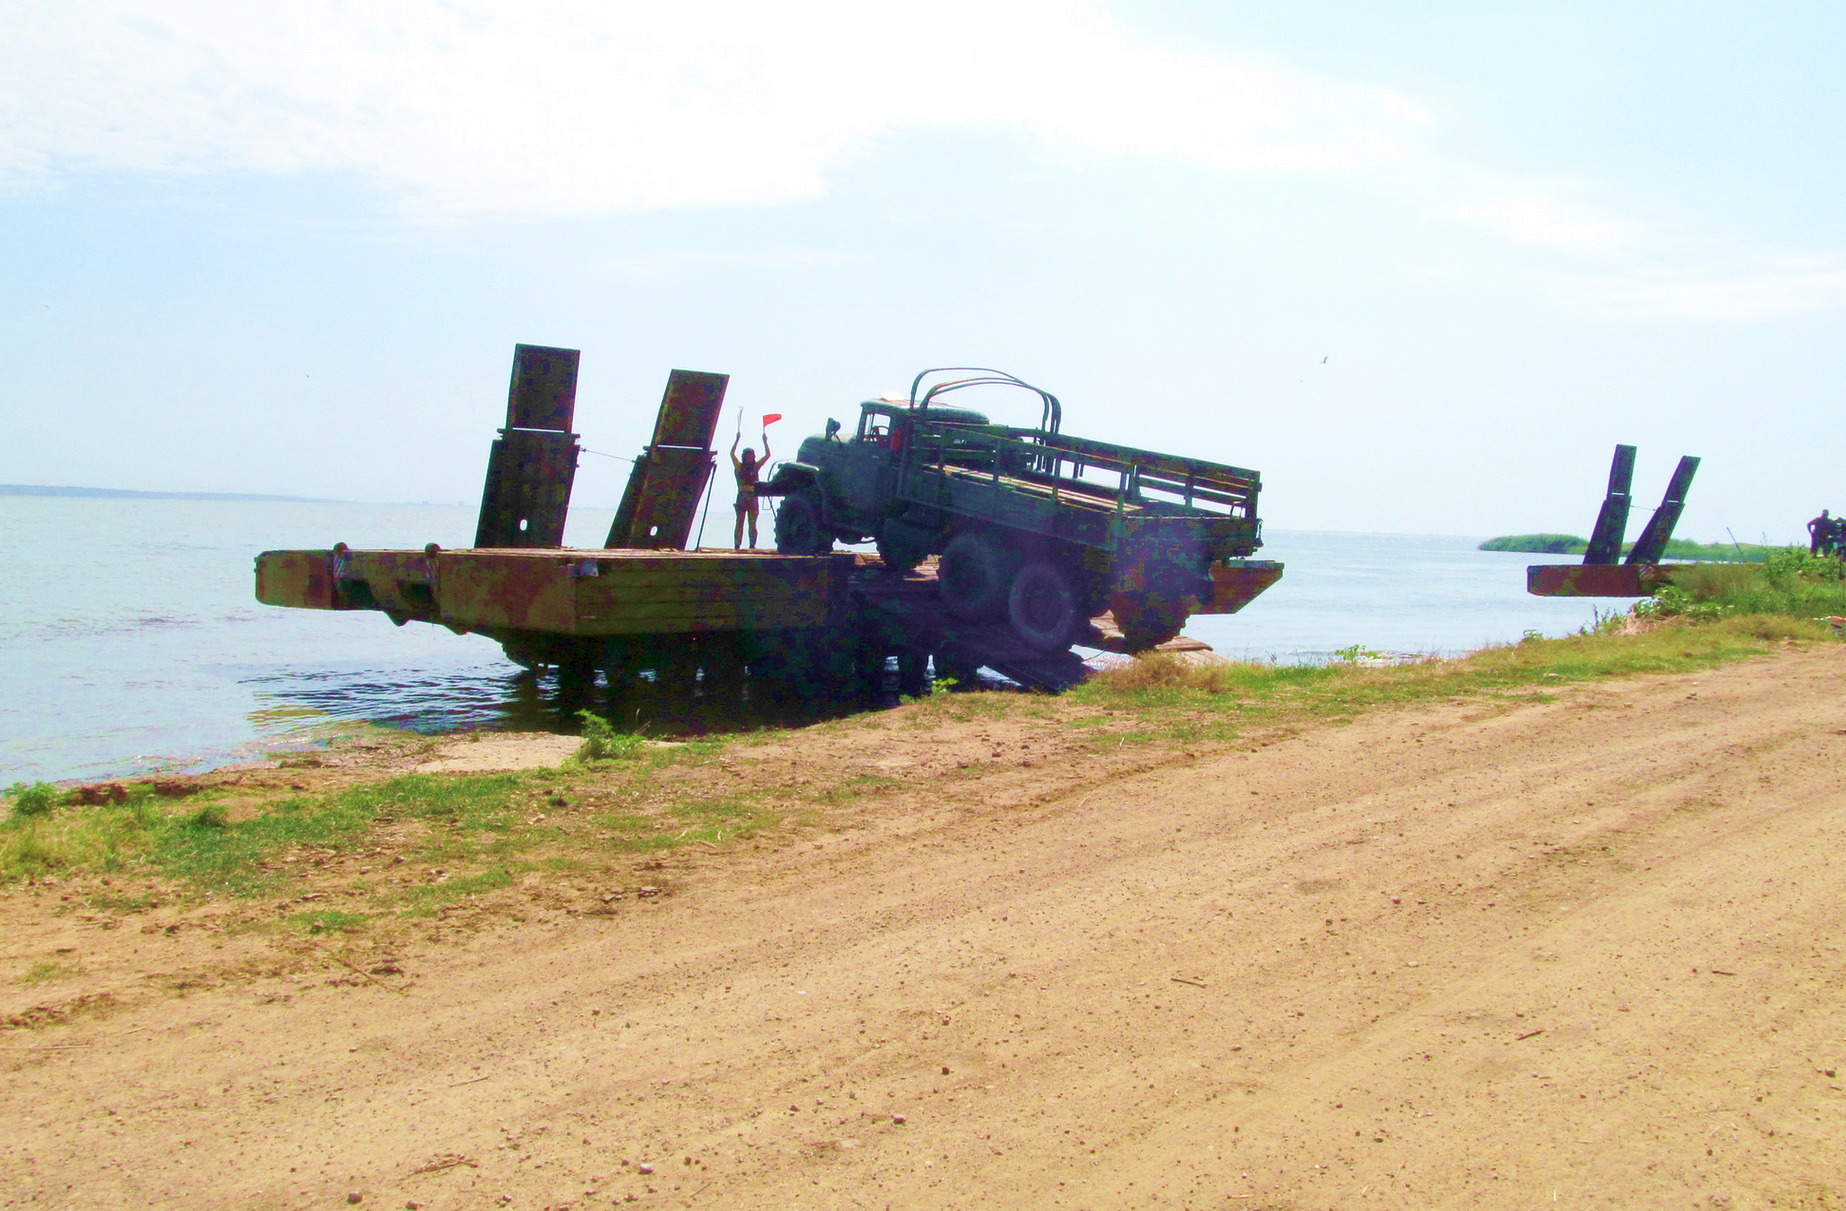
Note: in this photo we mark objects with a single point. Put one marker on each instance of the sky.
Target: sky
(1422, 266)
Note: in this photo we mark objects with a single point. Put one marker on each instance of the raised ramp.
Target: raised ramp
(662, 498)
(1599, 575)
(534, 460)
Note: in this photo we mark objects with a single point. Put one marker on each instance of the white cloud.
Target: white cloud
(662, 262)
(1543, 213)
(531, 108)
(559, 106)
(1766, 288)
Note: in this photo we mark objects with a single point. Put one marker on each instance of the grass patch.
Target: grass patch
(36, 799)
(327, 922)
(201, 844)
(105, 837)
(110, 902)
(1791, 582)
(858, 786)
(1216, 701)
(685, 822)
(434, 895)
(601, 742)
(968, 707)
(507, 821)
(217, 855)
(42, 973)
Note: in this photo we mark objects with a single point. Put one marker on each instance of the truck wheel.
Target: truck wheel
(1045, 606)
(974, 576)
(798, 526)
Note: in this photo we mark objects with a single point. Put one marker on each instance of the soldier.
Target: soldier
(1823, 534)
(745, 469)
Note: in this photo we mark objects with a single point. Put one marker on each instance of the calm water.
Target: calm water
(130, 641)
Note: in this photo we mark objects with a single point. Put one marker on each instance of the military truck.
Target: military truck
(1033, 526)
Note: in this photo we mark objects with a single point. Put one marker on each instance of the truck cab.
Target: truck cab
(854, 478)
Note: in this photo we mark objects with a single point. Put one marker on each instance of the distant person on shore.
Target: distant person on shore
(1823, 534)
(745, 469)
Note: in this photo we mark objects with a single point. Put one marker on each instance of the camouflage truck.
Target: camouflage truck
(1043, 530)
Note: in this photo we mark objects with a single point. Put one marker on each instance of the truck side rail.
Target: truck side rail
(1032, 456)
(1234, 480)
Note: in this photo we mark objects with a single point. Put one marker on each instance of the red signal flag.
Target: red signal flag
(770, 418)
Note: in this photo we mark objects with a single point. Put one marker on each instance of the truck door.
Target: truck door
(890, 474)
(869, 471)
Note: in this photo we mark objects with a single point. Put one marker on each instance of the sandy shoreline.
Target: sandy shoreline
(1572, 949)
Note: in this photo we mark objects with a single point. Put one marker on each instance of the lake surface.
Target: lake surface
(130, 640)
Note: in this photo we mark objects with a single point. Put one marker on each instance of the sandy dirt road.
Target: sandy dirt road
(1583, 953)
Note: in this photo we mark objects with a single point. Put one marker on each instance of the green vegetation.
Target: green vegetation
(450, 890)
(1725, 552)
(1791, 583)
(1194, 702)
(466, 834)
(1538, 544)
(40, 841)
(38, 799)
(1676, 548)
(40, 973)
(601, 742)
(327, 922)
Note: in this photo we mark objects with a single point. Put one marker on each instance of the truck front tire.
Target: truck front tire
(798, 526)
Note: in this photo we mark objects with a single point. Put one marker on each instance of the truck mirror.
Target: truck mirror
(833, 427)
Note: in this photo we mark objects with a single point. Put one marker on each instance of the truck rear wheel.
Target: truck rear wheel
(974, 576)
(798, 526)
(1045, 605)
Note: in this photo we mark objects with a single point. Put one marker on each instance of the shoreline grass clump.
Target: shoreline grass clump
(1218, 700)
(1791, 582)
(44, 833)
(601, 742)
(36, 799)
(474, 832)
